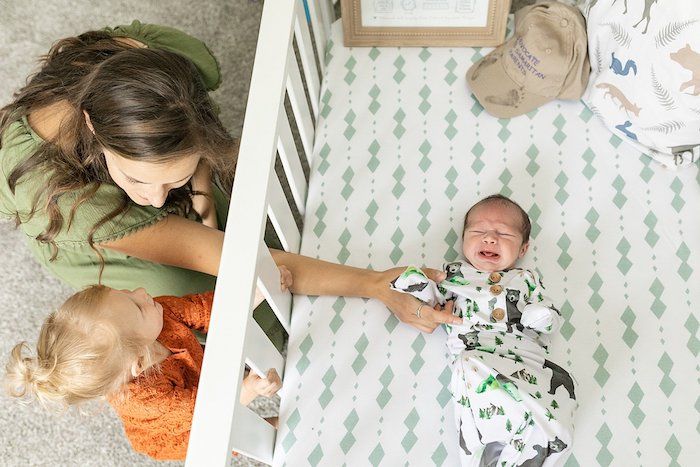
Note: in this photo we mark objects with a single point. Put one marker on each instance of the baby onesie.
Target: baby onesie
(513, 407)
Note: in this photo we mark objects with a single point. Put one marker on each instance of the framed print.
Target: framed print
(424, 22)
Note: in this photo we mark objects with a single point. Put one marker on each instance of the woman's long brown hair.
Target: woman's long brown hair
(145, 104)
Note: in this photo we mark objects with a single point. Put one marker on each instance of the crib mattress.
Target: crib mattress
(402, 150)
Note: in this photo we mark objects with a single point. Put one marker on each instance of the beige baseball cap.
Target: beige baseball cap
(545, 59)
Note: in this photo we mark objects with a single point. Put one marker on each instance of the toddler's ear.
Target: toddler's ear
(137, 367)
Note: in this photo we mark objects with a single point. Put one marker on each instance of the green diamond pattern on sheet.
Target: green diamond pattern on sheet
(417, 362)
(451, 130)
(596, 300)
(327, 394)
(635, 395)
(564, 258)
(401, 150)
(439, 455)
(385, 395)
(374, 106)
(399, 129)
(691, 325)
(667, 385)
(344, 253)
(623, 247)
(601, 374)
(350, 423)
(658, 307)
(349, 65)
(450, 77)
(629, 336)
(349, 129)
(374, 150)
(683, 253)
(371, 211)
(360, 361)
(291, 424)
(534, 212)
(337, 320)
(424, 105)
(604, 436)
(303, 362)
(651, 237)
(451, 254)
(532, 166)
(592, 232)
(559, 135)
(410, 438)
(316, 455)
(376, 456)
(567, 329)
(399, 75)
(320, 214)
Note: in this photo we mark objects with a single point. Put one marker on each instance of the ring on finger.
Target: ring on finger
(417, 313)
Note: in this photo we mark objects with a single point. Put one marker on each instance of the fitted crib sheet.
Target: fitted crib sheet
(402, 150)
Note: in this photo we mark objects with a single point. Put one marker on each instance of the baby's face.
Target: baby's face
(492, 239)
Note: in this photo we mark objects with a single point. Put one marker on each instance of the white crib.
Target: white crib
(398, 150)
(220, 422)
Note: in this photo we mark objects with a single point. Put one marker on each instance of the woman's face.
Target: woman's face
(148, 183)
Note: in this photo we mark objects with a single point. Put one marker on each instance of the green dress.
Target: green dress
(77, 264)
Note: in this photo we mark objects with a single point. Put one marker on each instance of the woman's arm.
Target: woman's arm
(316, 277)
(187, 244)
(174, 241)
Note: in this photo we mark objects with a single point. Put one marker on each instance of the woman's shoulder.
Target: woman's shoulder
(17, 143)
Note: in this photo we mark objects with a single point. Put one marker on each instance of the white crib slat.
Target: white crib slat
(215, 414)
(291, 162)
(254, 433)
(302, 114)
(306, 52)
(260, 352)
(320, 31)
(328, 15)
(282, 217)
(269, 284)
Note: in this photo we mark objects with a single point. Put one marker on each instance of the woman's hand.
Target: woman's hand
(286, 282)
(254, 386)
(286, 279)
(204, 203)
(405, 306)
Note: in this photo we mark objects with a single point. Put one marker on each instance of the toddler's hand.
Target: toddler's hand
(266, 387)
(286, 279)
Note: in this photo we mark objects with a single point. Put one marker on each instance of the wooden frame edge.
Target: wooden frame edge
(356, 35)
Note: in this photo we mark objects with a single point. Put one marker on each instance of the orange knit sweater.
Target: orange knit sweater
(157, 410)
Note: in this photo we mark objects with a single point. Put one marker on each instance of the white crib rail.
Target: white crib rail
(221, 424)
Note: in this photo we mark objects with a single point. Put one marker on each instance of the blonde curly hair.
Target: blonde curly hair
(80, 356)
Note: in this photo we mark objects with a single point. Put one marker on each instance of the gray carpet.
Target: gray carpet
(30, 436)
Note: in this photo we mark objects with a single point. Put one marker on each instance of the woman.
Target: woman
(108, 155)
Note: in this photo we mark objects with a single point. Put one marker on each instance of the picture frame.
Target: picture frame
(423, 23)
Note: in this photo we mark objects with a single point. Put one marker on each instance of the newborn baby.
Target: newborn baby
(513, 407)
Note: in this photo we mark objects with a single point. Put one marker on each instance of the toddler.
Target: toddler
(136, 351)
(513, 407)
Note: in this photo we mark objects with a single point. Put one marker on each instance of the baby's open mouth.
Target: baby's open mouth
(489, 255)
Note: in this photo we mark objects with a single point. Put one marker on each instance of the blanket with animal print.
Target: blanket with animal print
(513, 406)
(645, 77)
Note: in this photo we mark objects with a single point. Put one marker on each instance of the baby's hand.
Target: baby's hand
(266, 387)
(286, 279)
